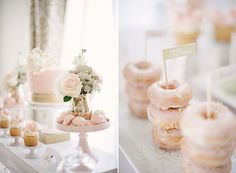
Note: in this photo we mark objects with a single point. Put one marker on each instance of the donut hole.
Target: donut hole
(212, 115)
(170, 86)
(142, 65)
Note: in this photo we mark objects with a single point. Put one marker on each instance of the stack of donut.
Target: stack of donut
(208, 141)
(139, 76)
(165, 111)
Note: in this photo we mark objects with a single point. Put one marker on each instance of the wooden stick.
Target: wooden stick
(165, 72)
(208, 96)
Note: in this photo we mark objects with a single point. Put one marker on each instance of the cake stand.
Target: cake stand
(16, 141)
(4, 135)
(83, 155)
(32, 154)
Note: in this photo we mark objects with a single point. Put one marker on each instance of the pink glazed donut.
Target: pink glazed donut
(178, 94)
(136, 93)
(219, 130)
(166, 139)
(141, 73)
(167, 119)
(208, 156)
(190, 167)
(138, 108)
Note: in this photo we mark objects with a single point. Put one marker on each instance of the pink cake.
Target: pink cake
(42, 85)
(42, 77)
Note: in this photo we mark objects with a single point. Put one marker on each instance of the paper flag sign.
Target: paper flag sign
(183, 50)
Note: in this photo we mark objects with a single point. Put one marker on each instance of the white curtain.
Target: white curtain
(90, 24)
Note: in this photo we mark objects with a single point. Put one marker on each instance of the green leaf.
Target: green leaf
(67, 98)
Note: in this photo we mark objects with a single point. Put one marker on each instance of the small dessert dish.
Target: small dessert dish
(139, 76)
(208, 141)
(31, 134)
(4, 119)
(42, 77)
(224, 24)
(167, 102)
(15, 127)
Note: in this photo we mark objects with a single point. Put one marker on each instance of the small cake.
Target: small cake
(139, 76)
(208, 141)
(4, 118)
(31, 134)
(15, 127)
(224, 24)
(42, 77)
(167, 102)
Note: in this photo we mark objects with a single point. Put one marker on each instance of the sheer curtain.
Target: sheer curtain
(90, 24)
(46, 25)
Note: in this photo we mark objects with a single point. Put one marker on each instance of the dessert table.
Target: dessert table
(14, 157)
(137, 150)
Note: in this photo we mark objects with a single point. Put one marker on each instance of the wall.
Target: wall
(14, 32)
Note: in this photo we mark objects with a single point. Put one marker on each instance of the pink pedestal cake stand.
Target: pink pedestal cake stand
(83, 142)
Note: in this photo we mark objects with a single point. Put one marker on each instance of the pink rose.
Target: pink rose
(71, 85)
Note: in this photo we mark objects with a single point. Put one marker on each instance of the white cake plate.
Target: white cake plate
(4, 135)
(83, 130)
(32, 154)
(46, 106)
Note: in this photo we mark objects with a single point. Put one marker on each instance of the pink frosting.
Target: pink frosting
(16, 122)
(31, 129)
(178, 95)
(158, 116)
(98, 117)
(224, 18)
(43, 83)
(199, 129)
(4, 114)
(141, 73)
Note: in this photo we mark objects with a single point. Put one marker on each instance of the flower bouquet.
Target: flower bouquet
(75, 87)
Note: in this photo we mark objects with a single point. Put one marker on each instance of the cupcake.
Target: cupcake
(4, 119)
(224, 24)
(185, 23)
(31, 134)
(15, 127)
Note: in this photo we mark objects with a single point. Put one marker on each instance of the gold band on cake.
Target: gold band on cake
(45, 98)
